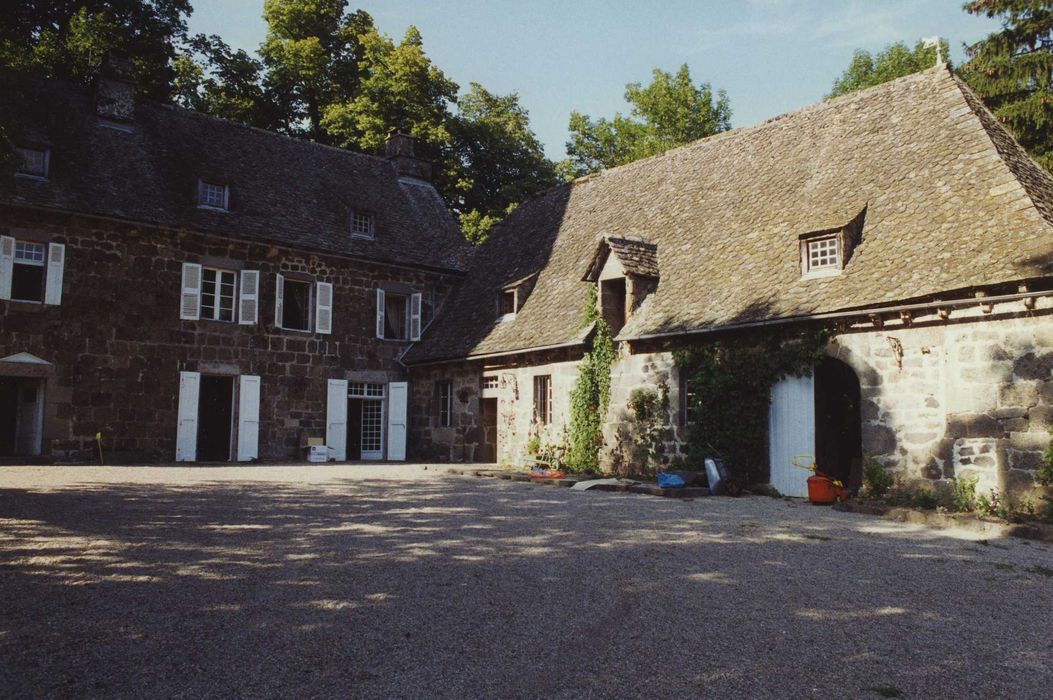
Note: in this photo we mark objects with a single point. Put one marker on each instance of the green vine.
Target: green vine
(591, 395)
(729, 382)
(650, 409)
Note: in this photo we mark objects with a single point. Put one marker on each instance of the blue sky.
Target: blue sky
(771, 56)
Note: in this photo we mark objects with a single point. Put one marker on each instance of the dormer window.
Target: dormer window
(361, 224)
(33, 162)
(821, 256)
(506, 305)
(212, 195)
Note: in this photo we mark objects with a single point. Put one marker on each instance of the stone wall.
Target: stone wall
(117, 344)
(515, 401)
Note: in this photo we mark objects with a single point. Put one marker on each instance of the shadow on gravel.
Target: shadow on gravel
(455, 587)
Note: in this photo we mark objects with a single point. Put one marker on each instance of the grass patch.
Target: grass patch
(1044, 571)
(888, 691)
(822, 538)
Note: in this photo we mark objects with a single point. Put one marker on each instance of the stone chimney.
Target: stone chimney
(115, 90)
(400, 149)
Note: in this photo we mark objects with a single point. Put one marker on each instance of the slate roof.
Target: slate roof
(637, 256)
(284, 190)
(951, 202)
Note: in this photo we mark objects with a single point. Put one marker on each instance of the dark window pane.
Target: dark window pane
(296, 305)
(27, 282)
(395, 317)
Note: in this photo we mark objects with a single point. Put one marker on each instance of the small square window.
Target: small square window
(491, 382)
(34, 162)
(296, 305)
(27, 272)
(212, 196)
(361, 224)
(821, 254)
(445, 392)
(218, 292)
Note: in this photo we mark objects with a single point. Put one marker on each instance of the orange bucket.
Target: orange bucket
(822, 489)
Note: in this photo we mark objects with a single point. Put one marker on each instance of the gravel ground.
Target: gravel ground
(404, 582)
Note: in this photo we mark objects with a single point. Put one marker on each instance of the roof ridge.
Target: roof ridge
(1011, 154)
(822, 105)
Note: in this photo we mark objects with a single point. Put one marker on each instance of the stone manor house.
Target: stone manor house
(203, 291)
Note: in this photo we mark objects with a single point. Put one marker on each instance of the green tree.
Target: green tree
(894, 61)
(311, 57)
(498, 160)
(401, 89)
(1012, 71)
(69, 38)
(667, 113)
(214, 79)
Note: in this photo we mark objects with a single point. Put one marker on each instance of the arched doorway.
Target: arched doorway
(838, 422)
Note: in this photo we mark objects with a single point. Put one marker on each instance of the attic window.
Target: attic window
(34, 162)
(211, 195)
(506, 304)
(361, 224)
(821, 255)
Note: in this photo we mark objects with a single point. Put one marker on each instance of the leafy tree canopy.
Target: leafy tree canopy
(669, 112)
(68, 38)
(1012, 71)
(894, 61)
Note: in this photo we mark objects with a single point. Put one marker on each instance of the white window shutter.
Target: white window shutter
(279, 299)
(190, 306)
(186, 432)
(414, 317)
(398, 398)
(336, 419)
(248, 417)
(380, 313)
(56, 264)
(249, 298)
(323, 307)
(7, 265)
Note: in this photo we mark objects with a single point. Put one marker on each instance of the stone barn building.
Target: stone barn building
(903, 218)
(198, 290)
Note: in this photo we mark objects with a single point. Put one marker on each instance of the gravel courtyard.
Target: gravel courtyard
(388, 582)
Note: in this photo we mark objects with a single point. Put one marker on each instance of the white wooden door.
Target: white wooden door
(336, 419)
(248, 417)
(791, 432)
(398, 398)
(186, 433)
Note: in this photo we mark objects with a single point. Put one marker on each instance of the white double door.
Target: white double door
(370, 400)
(247, 417)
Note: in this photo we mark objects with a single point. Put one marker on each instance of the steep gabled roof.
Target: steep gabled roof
(283, 190)
(951, 200)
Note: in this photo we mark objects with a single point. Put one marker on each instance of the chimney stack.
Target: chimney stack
(115, 89)
(400, 149)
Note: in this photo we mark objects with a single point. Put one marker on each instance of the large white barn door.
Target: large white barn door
(186, 434)
(791, 432)
(336, 419)
(398, 398)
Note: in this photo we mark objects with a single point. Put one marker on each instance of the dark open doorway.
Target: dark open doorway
(838, 422)
(488, 423)
(21, 416)
(215, 416)
(354, 428)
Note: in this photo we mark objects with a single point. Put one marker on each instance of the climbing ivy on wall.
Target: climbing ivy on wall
(591, 395)
(729, 382)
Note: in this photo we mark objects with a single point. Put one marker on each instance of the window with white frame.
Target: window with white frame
(27, 272)
(491, 382)
(33, 162)
(212, 195)
(821, 254)
(296, 309)
(444, 390)
(362, 224)
(543, 398)
(218, 294)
